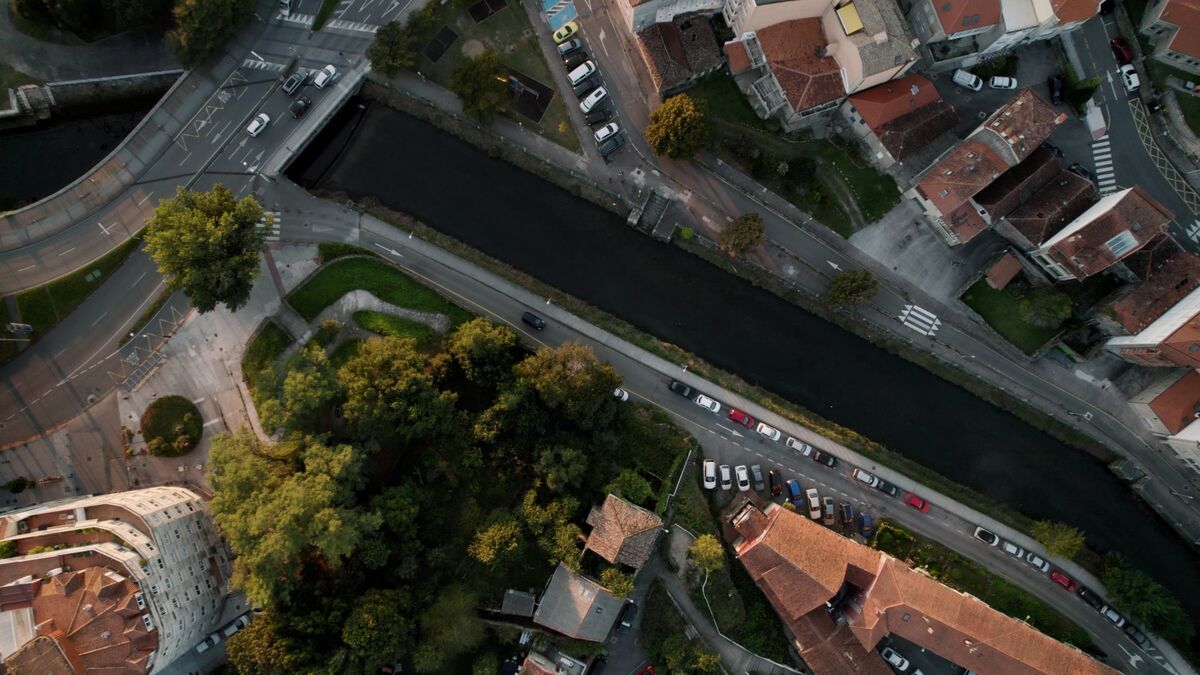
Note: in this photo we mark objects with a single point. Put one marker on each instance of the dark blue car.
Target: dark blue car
(794, 493)
(866, 524)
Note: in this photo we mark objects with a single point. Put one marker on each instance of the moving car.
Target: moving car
(1037, 561)
(570, 46)
(864, 477)
(605, 132)
(916, 502)
(583, 72)
(967, 80)
(1090, 597)
(768, 431)
(794, 492)
(1055, 85)
(894, 659)
(756, 474)
(1130, 77)
(593, 99)
(743, 477)
(611, 145)
(986, 536)
(706, 402)
(814, 503)
(799, 446)
(620, 394)
(680, 388)
(324, 76)
(257, 124)
(726, 477)
(534, 320)
(628, 614)
(710, 474)
(1012, 549)
(1001, 82)
(565, 33)
(741, 418)
(1122, 51)
(828, 511)
(1058, 577)
(292, 84)
(822, 457)
(775, 481)
(300, 106)
(866, 524)
(1113, 615)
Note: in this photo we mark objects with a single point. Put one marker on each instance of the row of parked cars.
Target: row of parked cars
(1062, 579)
(584, 76)
(292, 86)
(226, 633)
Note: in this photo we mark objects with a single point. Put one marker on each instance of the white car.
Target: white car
(593, 99)
(1001, 82)
(606, 132)
(324, 76)
(894, 659)
(864, 477)
(1013, 550)
(768, 431)
(583, 72)
(1037, 561)
(1130, 77)
(743, 477)
(706, 402)
(257, 124)
(710, 474)
(1113, 616)
(799, 446)
(814, 504)
(208, 643)
(726, 477)
(620, 394)
(238, 624)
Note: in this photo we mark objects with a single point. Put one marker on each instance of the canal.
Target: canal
(562, 240)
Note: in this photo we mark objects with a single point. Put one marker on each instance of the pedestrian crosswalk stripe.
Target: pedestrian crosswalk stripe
(920, 319)
(272, 233)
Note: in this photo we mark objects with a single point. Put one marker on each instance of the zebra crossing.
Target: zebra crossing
(1102, 159)
(268, 66)
(307, 21)
(272, 231)
(920, 320)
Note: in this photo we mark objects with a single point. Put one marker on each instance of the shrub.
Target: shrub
(171, 426)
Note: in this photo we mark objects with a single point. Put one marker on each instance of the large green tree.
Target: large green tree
(389, 394)
(262, 648)
(617, 582)
(1059, 538)
(630, 486)
(851, 287)
(496, 542)
(207, 244)
(481, 83)
(380, 628)
(309, 386)
(203, 26)
(677, 127)
(484, 350)
(572, 383)
(561, 466)
(1147, 602)
(706, 554)
(742, 234)
(397, 46)
(449, 627)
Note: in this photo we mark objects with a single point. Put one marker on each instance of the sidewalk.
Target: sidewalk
(137, 51)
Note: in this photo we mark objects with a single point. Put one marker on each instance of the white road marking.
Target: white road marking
(189, 155)
(102, 228)
(99, 318)
(143, 199)
(139, 280)
(67, 251)
(26, 269)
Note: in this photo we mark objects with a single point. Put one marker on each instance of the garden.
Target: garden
(1029, 328)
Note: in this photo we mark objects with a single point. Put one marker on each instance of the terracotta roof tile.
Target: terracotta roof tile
(739, 60)
(957, 16)
(1057, 203)
(677, 51)
(966, 170)
(1115, 227)
(1003, 271)
(909, 134)
(795, 52)
(891, 100)
(1020, 126)
(965, 222)
(1168, 273)
(622, 532)
(1070, 11)
(1186, 15)
(1018, 184)
(1177, 405)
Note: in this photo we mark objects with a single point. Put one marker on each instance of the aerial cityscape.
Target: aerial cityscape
(488, 337)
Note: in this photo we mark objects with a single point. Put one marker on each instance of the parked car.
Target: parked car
(795, 492)
(534, 320)
(568, 30)
(814, 503)
(570, 46)
(573, 61)
(987, 537)
(741, 418)
(887, 488)
(628, 615)
(706, 402)
(238, 624)
(967, 80)
(726, 477)
(1060, 578)
(756, 474)
(1012, 549)
(586, 87)
(768, 431)
(593, 99)
(293, 83)
(300, 106)
(1090, 597)
(208, 643)
(1054, 149)
(256, 126)
(605, 132)
(743, 477)
(620, 394)
(1112, 615)
(1136, 635)
(324, 76)
(822, 457)
(775, 481)
(581, 73)
(828, 511)
(611, 145)
(1001, 82)
(1080, 170)
(710, 474)
(1121, 50)
(864, 477)
(598, 115)
(847, 513)
(916, 502)
(1130, 77)
(894, 659)
(1055, 85)
(866, 524)
(1037, 561)
(680, 388)
(799, 446)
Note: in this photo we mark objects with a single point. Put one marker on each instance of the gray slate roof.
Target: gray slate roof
(577, 607)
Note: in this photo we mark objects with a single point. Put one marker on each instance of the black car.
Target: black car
(1136, 635)
(887, 488)
(1090, 597)
(586, 86)
(628, 614)
(612, 145)
(824, 458)
(300, 106)
(1056, 84)
(534, 320)
(598, 115)
(776, 482)
(293, 83)
(847, 514)
(1080, 170)
(575, 60)
(681, 389)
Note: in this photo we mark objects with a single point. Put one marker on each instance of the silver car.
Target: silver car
(1037, 561)
(743, 478)
(706, 402)
(799, 446)
(768, 431)
(257, 124)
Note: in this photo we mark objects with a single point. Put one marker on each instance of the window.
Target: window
(1121, 244)
(1195, 347)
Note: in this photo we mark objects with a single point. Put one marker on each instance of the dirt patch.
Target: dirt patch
(472, 48)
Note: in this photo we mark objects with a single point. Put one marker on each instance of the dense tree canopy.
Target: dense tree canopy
(481, 84)
(851, 287)
(1147, 602)
(707, 554)
(742, 234)
(1059, 538)
(389, 394)
(379, 628)
(484, 350)
(571, 382)
(397, 46)
(677, 128)
(203, 26)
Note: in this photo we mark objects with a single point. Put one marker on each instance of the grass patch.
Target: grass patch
(258, 363)
(1189, 106)
(1001, 310)
(398, 326)
(43, 307)
(663, 633)
(723, 100)
(327, 251)
(379, 278)
(323, 14)
(171, 426)
(8, 348)
(11, 78)
(963, 574)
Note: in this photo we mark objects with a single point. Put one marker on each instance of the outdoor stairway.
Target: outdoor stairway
(652, 213)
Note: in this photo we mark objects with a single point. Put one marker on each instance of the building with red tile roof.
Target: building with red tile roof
(1174, 28)
(1170, 409)
(1004, 270)
(801, 566)
(622, 532)
(679, 52)
(1048, 210)
(898, 118)
(1167, 274)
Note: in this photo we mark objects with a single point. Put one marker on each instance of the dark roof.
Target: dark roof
(1018, 184)
(678, 50)
(908, 134)
(1168, 273)
(577, 607)
(1057, 203)
(622, 532)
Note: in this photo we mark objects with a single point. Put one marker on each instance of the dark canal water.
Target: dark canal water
(562, 240)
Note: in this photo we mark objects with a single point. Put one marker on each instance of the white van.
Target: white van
(966, 80)
(583, 72)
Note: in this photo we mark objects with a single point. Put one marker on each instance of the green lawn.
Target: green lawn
(722, 99)
(397, 326)
(1188, 105)
(328, 250)
(384, 281)
(8, 350)
(960, 573)
(45, 306)
(508, 33)
(1000, 310)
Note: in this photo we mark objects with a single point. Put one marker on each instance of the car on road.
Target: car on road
(1130, 77)
(726, 477)
(864, 477)
(1001, 82)
(822, 457)
(710, 474)
(1055, 84)
(293, 83)
(583, 72)
(706, 402)
(768, 431)
(324, 76)
(1136, 635)
(967, 80)
(1113, 615)
(570, 46)
(743, 477)
(1037, 561)
(1121, 51)
(894, 659)
(605, 132)
(799, 446)
(828, 511)
(620, 394)
(756, 474)
(598, 115)
(814, 503)
(916, 502)
(775, 481)
(866, 524)
(18, 328)
(1060, 578)
(256, 126)
(1090, 597)
(1012, 549)
(572, 61)
(847, 513)
(741, 418)
(627, 617)
(534, 320)
(986, 536)
(887, 488)
(568, 30)
(611, 145)
(238, 624)
(300, 106)
(680, 388)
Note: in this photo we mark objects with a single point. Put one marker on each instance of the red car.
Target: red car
(741, 418)
(1122, 50)
(916, 502)
(1063, 580)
